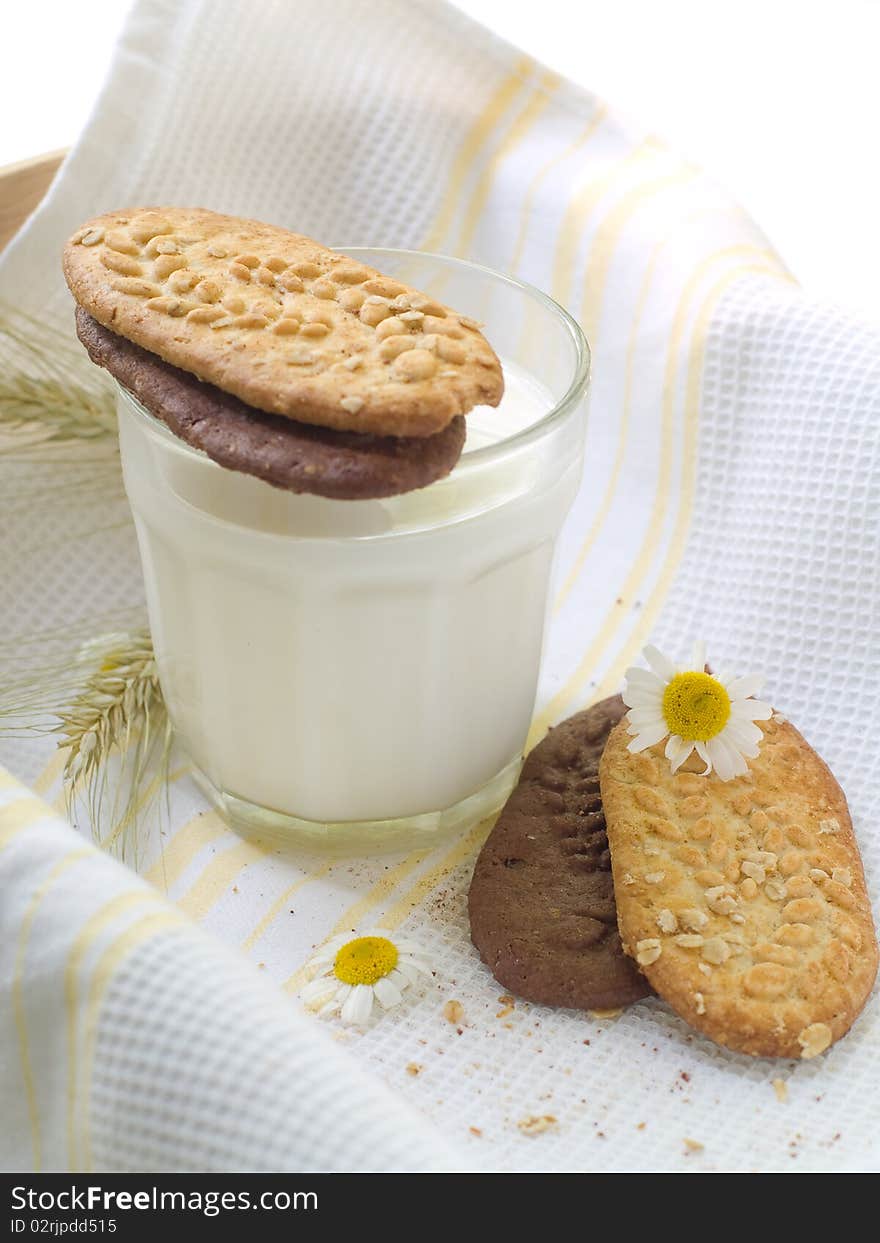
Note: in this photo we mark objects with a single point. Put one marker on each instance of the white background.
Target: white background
(779, 99)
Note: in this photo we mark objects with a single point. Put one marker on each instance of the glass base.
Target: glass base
(360, 837)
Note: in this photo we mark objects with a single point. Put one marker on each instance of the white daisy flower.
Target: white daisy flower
(353, 971)
(695, 711)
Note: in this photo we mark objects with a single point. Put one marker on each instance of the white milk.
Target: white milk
(352, 660)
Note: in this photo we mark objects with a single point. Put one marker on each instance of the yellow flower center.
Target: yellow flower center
(365, 960)
(695, 706)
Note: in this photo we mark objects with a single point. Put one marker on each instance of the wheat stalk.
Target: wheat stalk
(107, 706)
(104, 699)
(48, 391)
(118, 715)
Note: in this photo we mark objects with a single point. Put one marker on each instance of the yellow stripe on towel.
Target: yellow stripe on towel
(470, 147)
(652, 540)
(135, 935)
(21, 814)
(630, 370)
(281, 902)
(18, 996)
(693, 389)
(203, 829)
(531, 113)
(218, 877)
(121, 905)
(541, 176)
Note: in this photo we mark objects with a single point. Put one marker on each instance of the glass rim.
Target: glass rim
(556, 414)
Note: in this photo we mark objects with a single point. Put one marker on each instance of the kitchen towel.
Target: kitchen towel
(731, 492)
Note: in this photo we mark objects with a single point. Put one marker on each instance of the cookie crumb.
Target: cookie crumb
(413, 1068)
(536, 1124)
(815, 1039)
(453, 1012)
(693, 1145)
(780, 1087)
(475, 1130)
(605, 1014)
(641, 1126)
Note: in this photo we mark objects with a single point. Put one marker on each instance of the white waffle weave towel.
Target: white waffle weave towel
(732, 492)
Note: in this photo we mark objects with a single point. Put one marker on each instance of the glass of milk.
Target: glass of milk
(362, 674)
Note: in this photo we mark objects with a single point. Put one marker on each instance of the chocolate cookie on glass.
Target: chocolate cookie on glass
(277, 356)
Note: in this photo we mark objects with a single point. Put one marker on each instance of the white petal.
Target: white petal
(358, 1005)
(677, 751)
(326, 954)
(636, 697)
(387, 993)
(403, 975)
(699, 657)
(334, 1005)
(643, 718)
(644, 679)
(726, 759)
(411, 964)
(648, 738)
(747, 751)
(318, 992)
(744, 688)
(321, 961)
(743, 734)
(751, 710)
(662, 666)
(739, 764)
(406, 946)
(702, 751)
(718, 758)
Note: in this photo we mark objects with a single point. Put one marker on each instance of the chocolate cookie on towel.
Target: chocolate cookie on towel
(541, 900)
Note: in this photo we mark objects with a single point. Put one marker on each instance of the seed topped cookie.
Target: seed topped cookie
(740, 890)
(281, 322)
